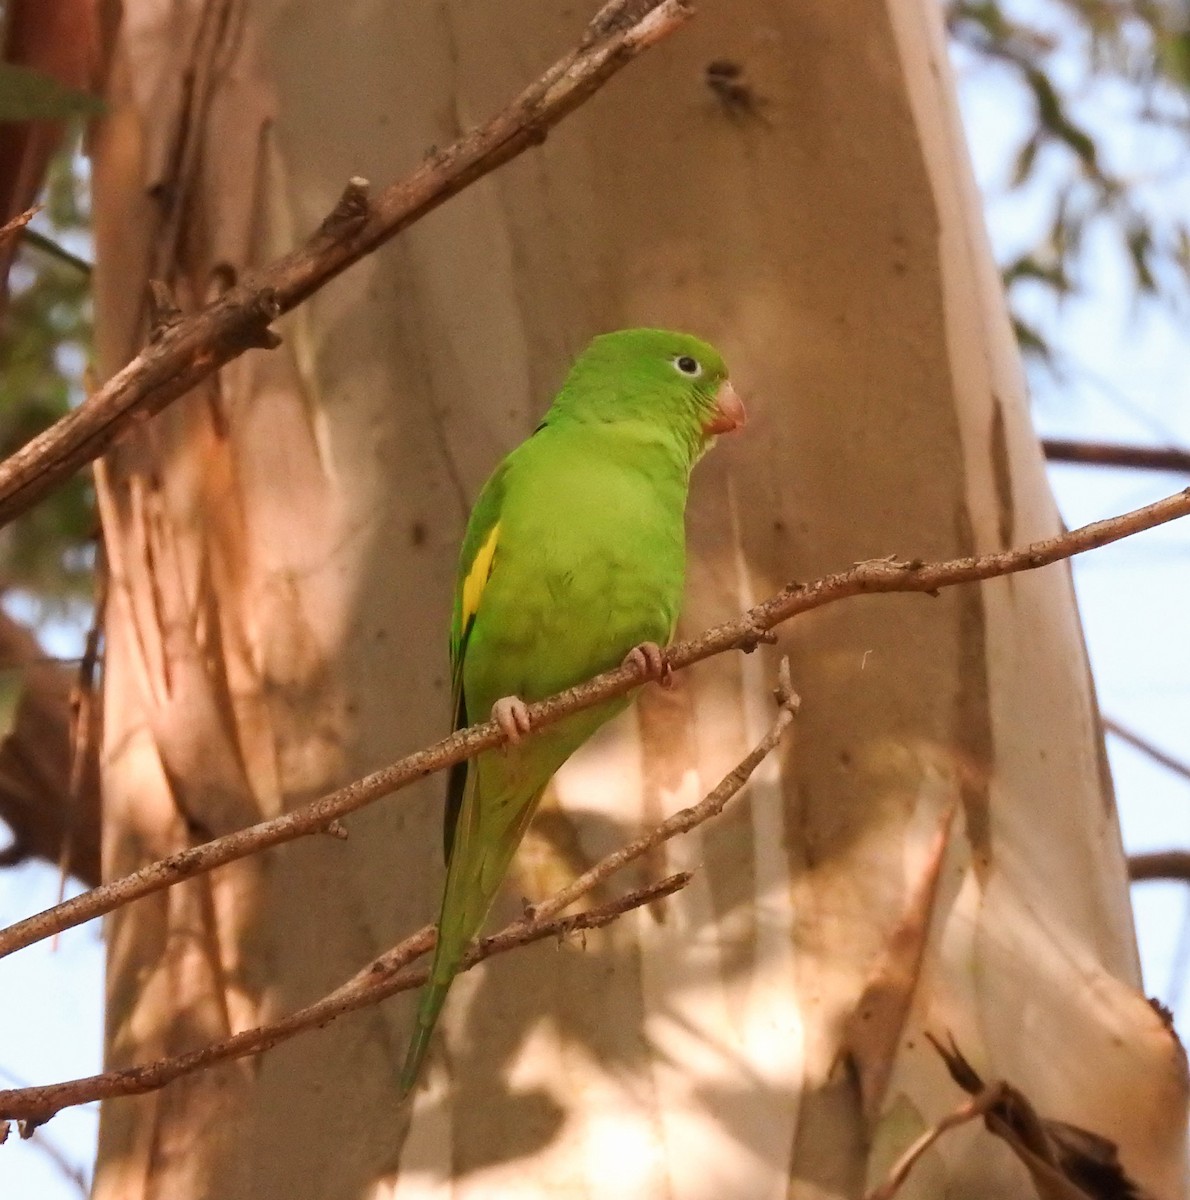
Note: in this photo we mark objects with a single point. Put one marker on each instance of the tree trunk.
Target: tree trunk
(939, 852)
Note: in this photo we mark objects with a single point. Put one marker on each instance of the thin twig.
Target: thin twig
(711, 805)
(1134, 739)
(192, 348)
(54, 250)
(1112, 454)
(1160, 864)
(744, 633)
(387, 975)
(1061, 1158)
(70, 1171)
(971, 1110)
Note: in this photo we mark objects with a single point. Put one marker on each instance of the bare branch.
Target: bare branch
(189, 350)
(53, 250)
(1112, 454)
(1160, 864)
(391, 973)
(685, 819)
(385, 976)
(1176, 765)
(971, 1110)
(744, 633)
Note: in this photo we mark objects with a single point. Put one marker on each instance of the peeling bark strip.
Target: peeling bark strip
(185, 353)
(744, 633)
(878, 1021)
(1064, 1161)
(49, 790)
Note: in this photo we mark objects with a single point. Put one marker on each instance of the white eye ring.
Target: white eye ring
(684, 364)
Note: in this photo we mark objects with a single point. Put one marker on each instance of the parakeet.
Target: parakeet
(573, 562)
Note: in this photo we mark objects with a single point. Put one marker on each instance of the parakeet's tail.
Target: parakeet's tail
(429, 1006)
(473, 875)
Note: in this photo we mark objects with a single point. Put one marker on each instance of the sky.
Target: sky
(1126, 380)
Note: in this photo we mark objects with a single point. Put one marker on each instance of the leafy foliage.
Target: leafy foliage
(1137, 52)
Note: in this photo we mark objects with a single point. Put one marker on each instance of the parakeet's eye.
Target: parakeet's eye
(688, 366)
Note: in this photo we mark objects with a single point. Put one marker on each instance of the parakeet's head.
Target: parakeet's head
(672, 379)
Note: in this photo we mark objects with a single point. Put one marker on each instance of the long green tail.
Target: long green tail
(478, 862)
(433, 997)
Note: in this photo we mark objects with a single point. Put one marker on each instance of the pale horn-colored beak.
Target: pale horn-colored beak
(729, 412)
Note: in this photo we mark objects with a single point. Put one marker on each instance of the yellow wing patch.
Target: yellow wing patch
(477, 577)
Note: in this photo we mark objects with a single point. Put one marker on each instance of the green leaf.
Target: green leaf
(1032, 344)
(27, 95)
(1138, 241)
(1022, 168)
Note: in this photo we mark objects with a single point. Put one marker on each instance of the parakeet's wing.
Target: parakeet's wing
(475, 566)
(575, 553)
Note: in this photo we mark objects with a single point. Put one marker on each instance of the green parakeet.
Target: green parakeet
(573, 562)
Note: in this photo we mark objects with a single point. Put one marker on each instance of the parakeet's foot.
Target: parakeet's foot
(649, 659)
(512, 715)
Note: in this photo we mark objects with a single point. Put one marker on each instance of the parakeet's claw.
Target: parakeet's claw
(512, 715)
(650, 661)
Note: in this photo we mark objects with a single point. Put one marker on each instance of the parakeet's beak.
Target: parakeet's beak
(729, 412)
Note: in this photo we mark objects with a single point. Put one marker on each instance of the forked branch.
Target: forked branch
(1065, 1162)
(392, 972)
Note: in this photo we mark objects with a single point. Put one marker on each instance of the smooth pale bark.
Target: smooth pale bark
(939, 851)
